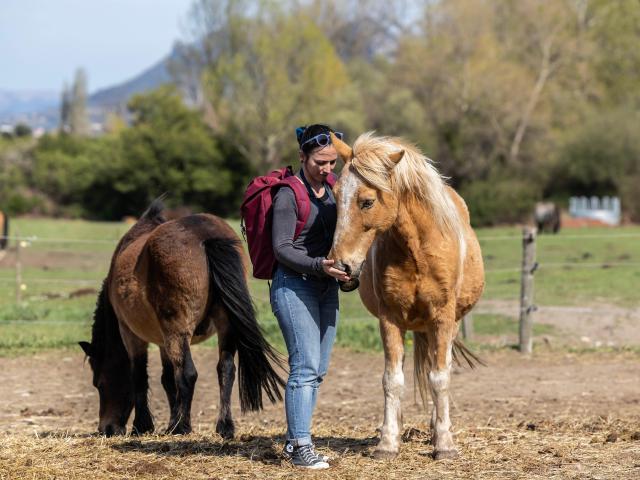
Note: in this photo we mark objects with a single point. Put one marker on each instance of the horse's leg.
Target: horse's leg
(393, 385)
(185, 375)
(138, 356)
(434, 416)
(226, 376)
(439, 378)
(168, 380)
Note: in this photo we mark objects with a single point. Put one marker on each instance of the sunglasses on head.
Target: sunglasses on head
(322, 139)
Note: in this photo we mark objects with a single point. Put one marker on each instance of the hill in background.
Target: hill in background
(40, 109)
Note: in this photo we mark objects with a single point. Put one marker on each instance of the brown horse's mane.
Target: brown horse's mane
(102, 322)
(149, 220)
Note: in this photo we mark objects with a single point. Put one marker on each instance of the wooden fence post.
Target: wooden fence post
(18, 268)
(529, 266)
(467, 327)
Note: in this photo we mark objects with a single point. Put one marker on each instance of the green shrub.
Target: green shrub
(602, 157)
(499, 200)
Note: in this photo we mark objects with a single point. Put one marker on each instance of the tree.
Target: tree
(602, 157)
(64, 169)
(78, 119)
(362, 29)
(22, 130)
(275, 71)
(170, 149)
(614, 28)
(65, 109)
(485, 74)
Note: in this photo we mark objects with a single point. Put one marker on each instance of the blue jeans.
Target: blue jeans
(307, 311)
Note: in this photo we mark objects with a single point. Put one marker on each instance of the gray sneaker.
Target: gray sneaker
(287, 452)
(306, 457)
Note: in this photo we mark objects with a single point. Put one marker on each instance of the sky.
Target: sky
(43, 42)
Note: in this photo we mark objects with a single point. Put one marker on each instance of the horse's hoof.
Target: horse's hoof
(225, 429)
(141, 429)
(384, 454)
(445, 454)
(179, 429)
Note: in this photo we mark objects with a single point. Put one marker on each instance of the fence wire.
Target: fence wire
(33, 239)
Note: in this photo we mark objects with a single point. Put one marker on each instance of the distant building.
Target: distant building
(606, 209)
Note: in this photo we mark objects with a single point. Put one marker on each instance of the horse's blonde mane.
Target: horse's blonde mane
(414, 175)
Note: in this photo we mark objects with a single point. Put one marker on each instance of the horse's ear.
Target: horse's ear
(395, 157)
(342, 148)
(86, 346)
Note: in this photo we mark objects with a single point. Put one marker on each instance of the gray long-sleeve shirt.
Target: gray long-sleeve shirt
(305, 253)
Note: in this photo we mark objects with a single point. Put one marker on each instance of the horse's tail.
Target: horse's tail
(255, 354)
(421, 365)
(422, 361)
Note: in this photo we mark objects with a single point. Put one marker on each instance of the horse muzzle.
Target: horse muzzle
(349, 286)
(354, 275)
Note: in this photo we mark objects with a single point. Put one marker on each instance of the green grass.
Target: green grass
(577, 266)
(71, 235)
(575, 269)
(29, 337)
(493, 324)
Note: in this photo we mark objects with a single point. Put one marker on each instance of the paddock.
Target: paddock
(569, 410)
(561, 415)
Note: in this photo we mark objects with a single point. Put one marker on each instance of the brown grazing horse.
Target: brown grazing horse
(405, 237)
(174, 284)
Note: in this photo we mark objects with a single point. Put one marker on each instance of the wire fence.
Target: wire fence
(25, 281)
(27, 241)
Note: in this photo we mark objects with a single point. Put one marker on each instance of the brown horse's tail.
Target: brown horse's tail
(255, 354)
(422, 361)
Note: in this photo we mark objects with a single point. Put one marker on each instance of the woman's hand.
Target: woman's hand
(327, 266)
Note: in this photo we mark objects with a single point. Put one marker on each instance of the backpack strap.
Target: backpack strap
(302, 201)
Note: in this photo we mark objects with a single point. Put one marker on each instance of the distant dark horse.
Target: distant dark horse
(174, 284)
(547, 217)
(4, 230)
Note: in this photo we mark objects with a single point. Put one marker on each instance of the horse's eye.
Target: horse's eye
(367, 204)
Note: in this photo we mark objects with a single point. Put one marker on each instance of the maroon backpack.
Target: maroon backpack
(257, 215)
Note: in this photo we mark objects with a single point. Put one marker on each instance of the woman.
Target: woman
(304, 293)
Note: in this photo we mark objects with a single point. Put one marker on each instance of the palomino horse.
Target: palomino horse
(404, 235)
(175, 284)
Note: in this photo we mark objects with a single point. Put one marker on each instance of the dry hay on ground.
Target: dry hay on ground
(550, 450)
(551, 416)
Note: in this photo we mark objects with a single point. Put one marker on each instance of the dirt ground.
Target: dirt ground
(554, 415)
(596, 325)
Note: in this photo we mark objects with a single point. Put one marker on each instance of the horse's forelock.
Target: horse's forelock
(371, 160)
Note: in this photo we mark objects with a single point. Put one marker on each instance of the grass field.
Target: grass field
(64, 262)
